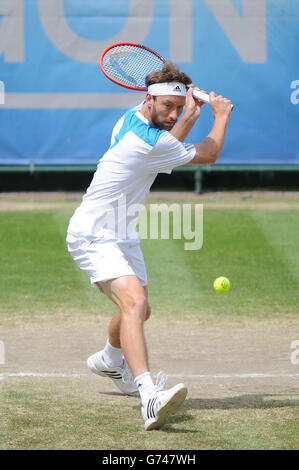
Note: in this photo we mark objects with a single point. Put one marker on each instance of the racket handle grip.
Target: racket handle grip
(204, 97)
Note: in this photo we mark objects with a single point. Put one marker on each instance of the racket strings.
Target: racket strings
(131, 64)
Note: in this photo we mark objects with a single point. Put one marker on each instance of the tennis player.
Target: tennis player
(102, 236)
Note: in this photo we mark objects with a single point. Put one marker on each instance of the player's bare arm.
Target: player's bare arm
(208, 151)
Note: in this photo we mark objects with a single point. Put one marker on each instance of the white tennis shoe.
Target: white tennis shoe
(161, 404)
(121, 376)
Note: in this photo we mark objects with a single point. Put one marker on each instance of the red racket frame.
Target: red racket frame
(134, 44)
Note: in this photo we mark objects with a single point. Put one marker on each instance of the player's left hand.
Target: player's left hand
(220, 105)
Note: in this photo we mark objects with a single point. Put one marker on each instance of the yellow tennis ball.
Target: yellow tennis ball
(221, 284)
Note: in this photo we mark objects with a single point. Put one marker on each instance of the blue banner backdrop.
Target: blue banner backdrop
(56, 108)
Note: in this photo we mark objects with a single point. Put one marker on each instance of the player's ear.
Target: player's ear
(149, 99)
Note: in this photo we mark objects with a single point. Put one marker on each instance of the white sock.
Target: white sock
(145, 385)
(112, 356)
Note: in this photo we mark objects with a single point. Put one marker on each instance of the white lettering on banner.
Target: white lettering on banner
(295, 95)
(84, 50)
(247, 33)
(12, 30)
(180, 30)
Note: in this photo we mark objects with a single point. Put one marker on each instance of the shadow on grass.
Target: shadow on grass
(254, 401)
(119, 394)
(260, 401)
(179, 419)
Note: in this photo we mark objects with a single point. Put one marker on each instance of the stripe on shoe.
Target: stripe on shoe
(112, 375)
(150, 407)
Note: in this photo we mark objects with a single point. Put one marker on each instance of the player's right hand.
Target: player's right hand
(192, 105)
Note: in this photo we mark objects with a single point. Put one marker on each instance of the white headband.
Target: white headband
(167, 88)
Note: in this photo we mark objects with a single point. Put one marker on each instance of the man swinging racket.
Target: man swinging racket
(147, 140)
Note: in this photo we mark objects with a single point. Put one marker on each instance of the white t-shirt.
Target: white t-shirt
(124, 176)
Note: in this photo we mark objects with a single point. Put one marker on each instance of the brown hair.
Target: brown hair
(169, 73)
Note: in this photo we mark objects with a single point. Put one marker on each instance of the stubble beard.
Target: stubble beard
(158, 124)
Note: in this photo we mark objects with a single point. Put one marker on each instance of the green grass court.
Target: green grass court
(255, 245)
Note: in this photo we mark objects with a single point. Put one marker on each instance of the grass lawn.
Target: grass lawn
(58, 416)
(258, 250)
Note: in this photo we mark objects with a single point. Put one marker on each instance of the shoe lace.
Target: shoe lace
(128, 378)
(161, 380)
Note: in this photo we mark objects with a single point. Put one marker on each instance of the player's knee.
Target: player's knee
(135, 305)
(140, 305)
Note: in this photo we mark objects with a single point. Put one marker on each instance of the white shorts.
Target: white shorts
(105, 258)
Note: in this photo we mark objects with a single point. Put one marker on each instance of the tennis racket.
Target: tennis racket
(127, 64)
